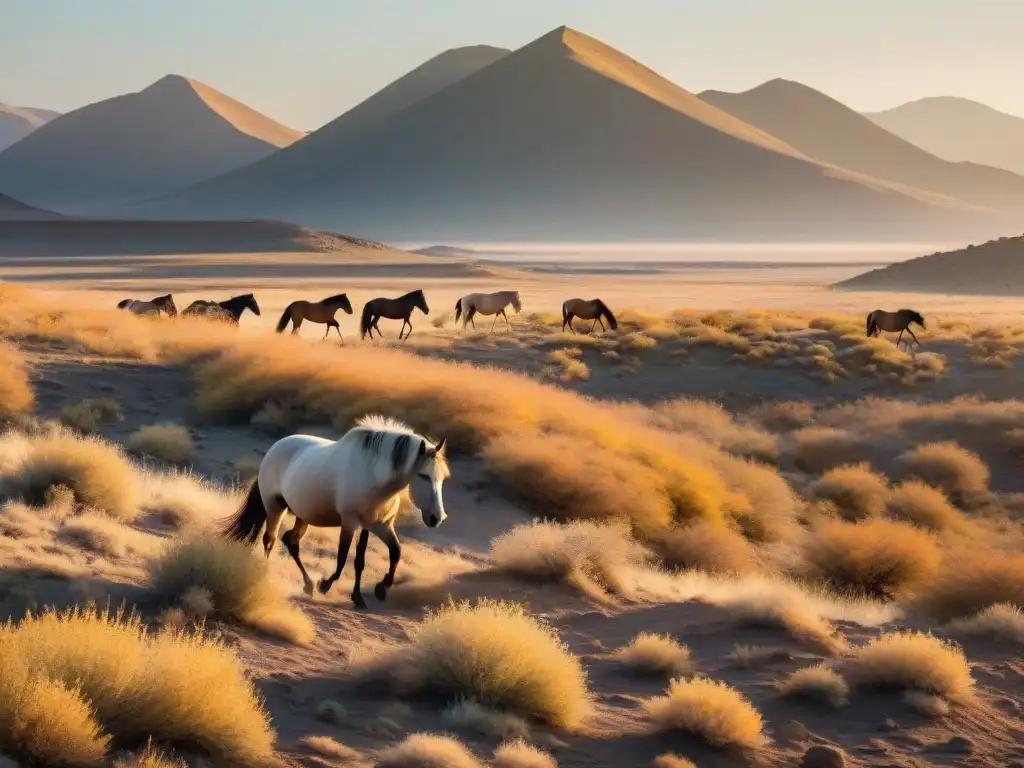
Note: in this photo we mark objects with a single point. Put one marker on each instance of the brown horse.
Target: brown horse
(164, 304)
(900, 320)
(593, 309)
(316, 312)
(393, 309)
(229, 311)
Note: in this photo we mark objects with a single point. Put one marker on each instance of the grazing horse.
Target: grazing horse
(900, 320)
(229, 311)
(355, 482)
(393, 309)
(487, 304)
(594, 309)
(154, 306)
(322, 311)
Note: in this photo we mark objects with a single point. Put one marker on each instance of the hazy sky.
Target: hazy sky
(304, 62)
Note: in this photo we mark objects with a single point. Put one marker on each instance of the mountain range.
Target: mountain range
(18, 122)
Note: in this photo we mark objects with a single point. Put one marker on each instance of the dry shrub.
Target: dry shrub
(16, 395)
(470, 715)
(672, 760)
(957, 471)
(1002, 621)
(69, 677)
(790, 612)
(923, 506)
(150, 758)
(519, 754)
(591, 556)
(974, 582)
(185, 500)
(786, 416)
(570, 367)
(238, 582)
(657, 655)
(167, 442)
(496, 653)
(856, 491)
(89, 415)
(819, 683)
(912, 661)
(97, 473)
(762, 505)
(708, 546)
(100, 534)
(709, 709)
(713, 423)
(328, 747)
(818, 449)
(926, 704)
(424, 750)
(877, 558)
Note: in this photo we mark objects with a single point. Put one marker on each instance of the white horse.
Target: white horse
(355, 483)
(487, 304)
(152, 307)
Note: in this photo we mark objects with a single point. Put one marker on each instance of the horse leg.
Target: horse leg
(275, 514)
(338, 329)
(296, 322)
(357, 595)
(508, 327)
(898, 338)
(386, 533)
(593, 325)
(375, 327)
(492, 323)
(291, 541)
(344, 543)
(913, 337)
(602, 323)
(326, 331)
(410, 329)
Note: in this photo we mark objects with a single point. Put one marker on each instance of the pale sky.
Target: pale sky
(304, 62)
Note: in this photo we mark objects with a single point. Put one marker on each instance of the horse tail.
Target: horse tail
(364, 320)
(565, 315)
(612, 322)
(458, 310)
(871, 325)
(285, 317)
(246, 523)
(123, 303)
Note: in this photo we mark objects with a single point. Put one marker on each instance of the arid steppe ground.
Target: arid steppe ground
(734, 531)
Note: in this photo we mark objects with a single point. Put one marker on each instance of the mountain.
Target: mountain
(172, 134)
(827, 130)
(959, 129)
(992, 268)
(567, 138)
(15, 210)
(18, 122)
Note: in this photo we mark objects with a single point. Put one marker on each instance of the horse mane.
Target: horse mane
(417, 292)
(336, 297)
(379, 428)
(607, 313)
(915, 316)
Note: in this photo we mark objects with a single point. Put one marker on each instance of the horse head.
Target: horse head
(517, 303)
(420, 300)
(250, 302)
(429, 473)
(166, 303)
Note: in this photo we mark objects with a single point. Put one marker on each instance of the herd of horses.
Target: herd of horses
(401, 308)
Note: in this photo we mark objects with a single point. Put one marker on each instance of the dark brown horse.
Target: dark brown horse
(229, 311)
(900, 320)
(393, 309)
(593, 309)
(316, 312)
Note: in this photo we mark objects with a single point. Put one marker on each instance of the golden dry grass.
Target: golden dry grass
(817, 449)
(912, 661)
(496, 653)
(184, 500)
(89, 415)
(425, 750)
(790, 612)
(519, 754)
(820, 684)
(924, 506)
(568, 366)
(591, 556)
(655, 655)
(708, 546)
(972, 582)
(328, 747)
(672, 760)
(16, 394)
(927, 704)
(710, 710)
(957, 471)
(856, 491)
(472, 716)
(239, 584)
(149, 758)
(877, 558)
(100, 534)
(97, 473)
(1002, 621)
(166, 442)
(91, 676)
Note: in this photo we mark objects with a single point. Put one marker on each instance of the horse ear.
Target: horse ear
(439, 448)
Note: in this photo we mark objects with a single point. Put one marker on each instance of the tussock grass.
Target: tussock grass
(166, 442)
(790, 612)
(328, 747)
(912, 661)
(97, 473)
(926, 704)
(709, 709)
(711, 422)
(924, 506)
(856, 491)
(820, 684)
(75, 681)
(1002, 621)
(519, 754)
(591, 556)
(424, 750)
(569, 367)
(16, 394)
(472, 716)
(149, 758)
(493, 652)
(89, 415)
(239, 585)
(672, 760)
(818, 449)
(957, 471)
(100, 534)
(973, 582)
(184, 500)
(877, 558)
(708, 546)
(655, 655)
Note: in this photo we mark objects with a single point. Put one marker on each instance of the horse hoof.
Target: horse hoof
(358, 602)
(380, 592)
(324, 586)
(308, 588)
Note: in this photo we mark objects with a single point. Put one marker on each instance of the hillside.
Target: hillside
(15, 210)
(995, 267)
(172, 134)
(959, 129)
(18, 122)
(827, 130)
(566, 138)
